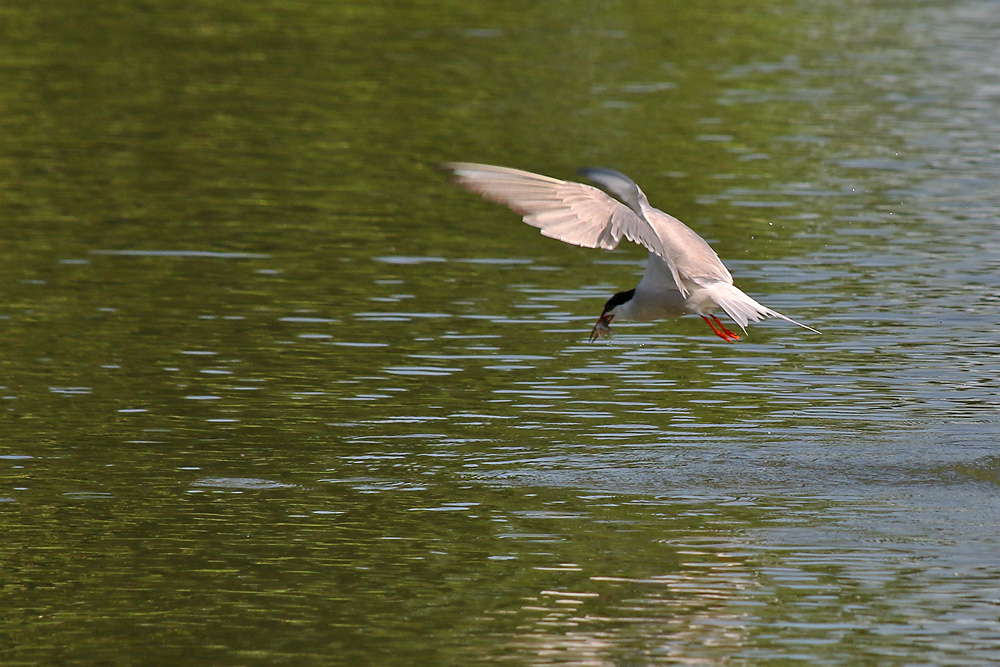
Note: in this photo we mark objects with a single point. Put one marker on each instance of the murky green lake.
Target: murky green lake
(272, 391)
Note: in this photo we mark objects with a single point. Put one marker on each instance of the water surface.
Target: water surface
(274, 392)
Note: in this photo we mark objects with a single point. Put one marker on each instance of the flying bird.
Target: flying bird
(683, 274)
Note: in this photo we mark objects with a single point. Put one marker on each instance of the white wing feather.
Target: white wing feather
(576, 213)
(689, 256)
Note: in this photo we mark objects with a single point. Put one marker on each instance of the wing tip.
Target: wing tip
(454, 169)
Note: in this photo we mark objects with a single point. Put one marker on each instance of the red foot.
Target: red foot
(719, 329)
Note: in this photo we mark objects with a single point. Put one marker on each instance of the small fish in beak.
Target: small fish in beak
(602, 328)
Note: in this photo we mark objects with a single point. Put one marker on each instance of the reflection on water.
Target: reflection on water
(273, 392)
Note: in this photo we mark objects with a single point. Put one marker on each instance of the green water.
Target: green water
(273, 391)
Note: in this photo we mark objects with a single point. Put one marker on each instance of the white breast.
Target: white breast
(656, 296)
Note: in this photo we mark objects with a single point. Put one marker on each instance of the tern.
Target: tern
(683, 274)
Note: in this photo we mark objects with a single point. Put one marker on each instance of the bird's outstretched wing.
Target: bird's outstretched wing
(576, 213)
(689, 256)
(586, 216)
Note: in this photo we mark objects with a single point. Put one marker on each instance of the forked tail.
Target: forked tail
(742, 308)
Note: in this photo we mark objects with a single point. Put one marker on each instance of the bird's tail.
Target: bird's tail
(742, 308)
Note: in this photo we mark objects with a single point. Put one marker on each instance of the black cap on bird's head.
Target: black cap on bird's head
(617, 300)
(603, 328)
